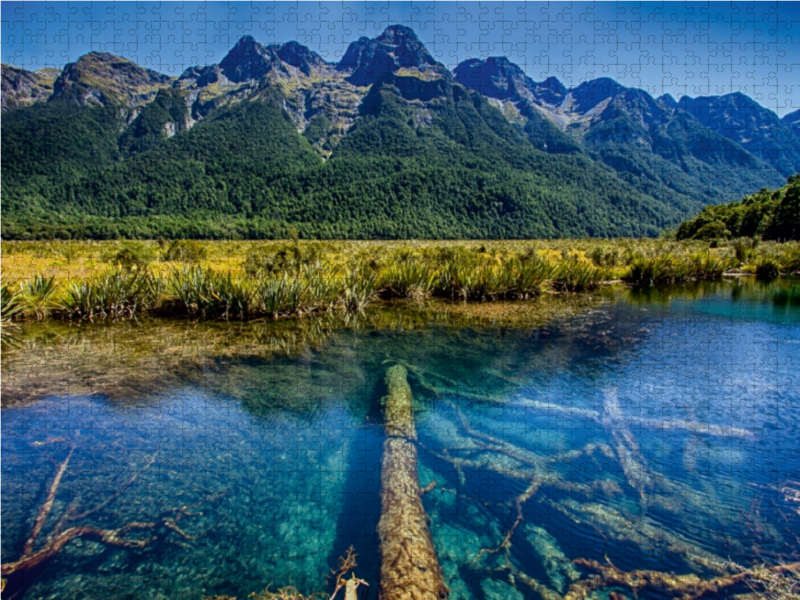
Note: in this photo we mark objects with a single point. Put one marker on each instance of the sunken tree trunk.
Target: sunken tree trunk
(409, 567)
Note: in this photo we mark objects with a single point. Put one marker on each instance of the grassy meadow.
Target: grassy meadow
(251, 279)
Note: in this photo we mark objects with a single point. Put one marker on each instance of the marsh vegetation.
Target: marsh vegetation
(243, 280)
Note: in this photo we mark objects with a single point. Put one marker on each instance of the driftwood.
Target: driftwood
(686, 587)
(350, 586)
(410, 569)
(120, 537)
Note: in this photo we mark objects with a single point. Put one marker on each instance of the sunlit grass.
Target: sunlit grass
(247, 279)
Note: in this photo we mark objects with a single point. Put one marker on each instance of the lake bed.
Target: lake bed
(656, 428)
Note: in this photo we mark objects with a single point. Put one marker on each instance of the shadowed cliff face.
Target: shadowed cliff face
(370, 60)
(677, 148)
(755, 128)
(793, 121)
(498, 77)
(249, 60)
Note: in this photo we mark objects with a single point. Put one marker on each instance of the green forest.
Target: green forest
(245, 172)
(768, 214)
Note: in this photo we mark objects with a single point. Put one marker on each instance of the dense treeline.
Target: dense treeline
(770, 215)
(459, 170)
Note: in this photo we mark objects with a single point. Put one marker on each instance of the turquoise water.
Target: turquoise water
(662, 428)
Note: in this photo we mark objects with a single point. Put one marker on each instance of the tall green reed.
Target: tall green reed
(38, 294)
(575, 275)
(112, 293)
(10, 303)
(207, 293)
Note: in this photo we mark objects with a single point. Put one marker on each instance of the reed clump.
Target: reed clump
(767, 268)
(207, 293)
(576, 274)
(188, 251)
(243, 280)
(113, 293)
(669, 268)
(409, 279)
(37, 294)
(10, 303)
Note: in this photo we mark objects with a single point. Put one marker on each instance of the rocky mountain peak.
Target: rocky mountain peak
(703, 104)
(247, 60)
(398, 34)
(106, 79)
(299, 56)
(370, 60)
(667, 101)
(550, 91)
(496, 77)
(22, 88)
(758, 129)
(593, 95)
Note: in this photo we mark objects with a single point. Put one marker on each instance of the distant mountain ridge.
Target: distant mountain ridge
(21, 88)
(792, 120)
(525, 158)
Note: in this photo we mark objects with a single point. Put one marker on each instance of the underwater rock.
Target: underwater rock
(409, 566)
(455, 547)
(494, 589)
(560, 570)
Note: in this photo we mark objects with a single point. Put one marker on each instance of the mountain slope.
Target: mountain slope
(48, 146)
(368, 61)
(743, 120)
(99, 78)
(387, 143)
(21, 88)
(516, 93)
(313, 91)
(654, 146)
(792, 120)
(446, 166)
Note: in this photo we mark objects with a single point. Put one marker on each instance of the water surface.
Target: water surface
(661, 427)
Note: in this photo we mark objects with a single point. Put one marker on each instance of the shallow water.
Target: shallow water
(662, 426)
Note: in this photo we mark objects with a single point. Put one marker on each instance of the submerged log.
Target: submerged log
(409, 567)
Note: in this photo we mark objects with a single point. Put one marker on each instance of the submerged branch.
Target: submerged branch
(630, 456)
(119, 537)
(109, 537)
(515, 575)
(44, 509)
(687, 587)
(73, 517)
(506, 543)
(428, 488)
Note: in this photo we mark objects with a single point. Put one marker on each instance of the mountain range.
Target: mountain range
(386, 143)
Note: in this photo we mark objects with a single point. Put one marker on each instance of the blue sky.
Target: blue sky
(693, 48)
